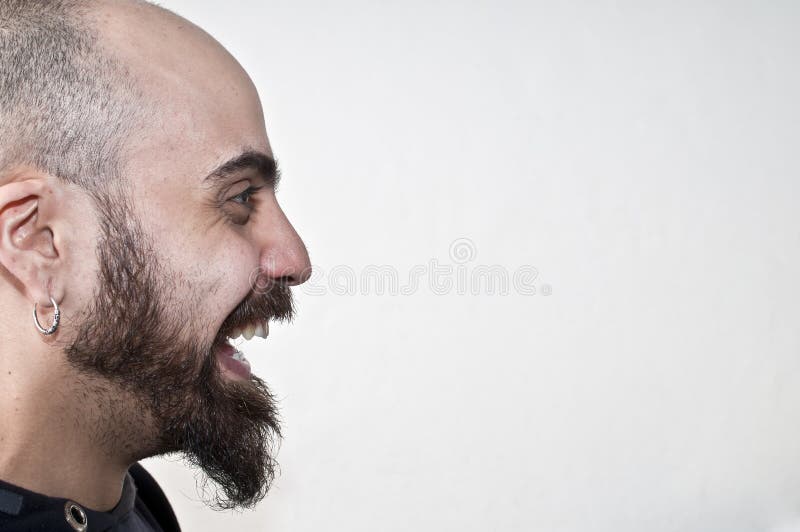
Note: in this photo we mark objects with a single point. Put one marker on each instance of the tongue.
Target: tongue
(226, 349)
(238, 369)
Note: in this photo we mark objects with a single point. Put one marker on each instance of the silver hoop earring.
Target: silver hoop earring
(56, 319)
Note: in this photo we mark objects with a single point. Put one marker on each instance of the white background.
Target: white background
(642, 156)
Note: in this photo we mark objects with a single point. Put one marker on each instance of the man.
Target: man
(139, 233)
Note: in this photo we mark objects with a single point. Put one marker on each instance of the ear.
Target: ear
(28, 249)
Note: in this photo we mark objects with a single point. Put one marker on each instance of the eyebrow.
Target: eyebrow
(262, 164)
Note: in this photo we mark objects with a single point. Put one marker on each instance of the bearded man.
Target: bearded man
(139, 233)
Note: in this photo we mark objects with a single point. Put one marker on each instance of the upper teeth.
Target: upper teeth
(260, 329)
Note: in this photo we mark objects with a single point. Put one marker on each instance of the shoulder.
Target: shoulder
(150, 499)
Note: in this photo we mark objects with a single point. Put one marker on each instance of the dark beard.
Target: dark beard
(133, 339)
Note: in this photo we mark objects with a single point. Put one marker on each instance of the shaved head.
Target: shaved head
(79, 77)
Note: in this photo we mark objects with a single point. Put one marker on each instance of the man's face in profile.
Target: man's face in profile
(191, 249)
(150, 331)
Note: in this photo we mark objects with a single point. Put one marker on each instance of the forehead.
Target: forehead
(201, 106)
(201, 110)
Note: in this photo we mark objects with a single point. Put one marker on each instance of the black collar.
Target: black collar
(18, 504)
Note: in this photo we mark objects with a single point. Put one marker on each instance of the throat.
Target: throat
(64, 444)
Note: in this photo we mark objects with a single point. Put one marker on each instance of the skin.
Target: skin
(205, 110)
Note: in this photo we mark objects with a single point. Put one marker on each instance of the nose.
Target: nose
(284, 257)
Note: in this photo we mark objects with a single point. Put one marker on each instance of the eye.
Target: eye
(243, 198)
(239, 207)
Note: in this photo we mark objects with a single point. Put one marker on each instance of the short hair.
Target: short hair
(66, 106)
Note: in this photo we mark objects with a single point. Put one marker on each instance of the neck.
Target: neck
(61, 435)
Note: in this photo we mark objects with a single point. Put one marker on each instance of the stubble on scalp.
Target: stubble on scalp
(66, 106)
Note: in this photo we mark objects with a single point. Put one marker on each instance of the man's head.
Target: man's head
(137, 190)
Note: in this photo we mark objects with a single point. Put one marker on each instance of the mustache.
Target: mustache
(269, 300)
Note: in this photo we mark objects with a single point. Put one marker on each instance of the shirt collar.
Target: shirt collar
(21, 503)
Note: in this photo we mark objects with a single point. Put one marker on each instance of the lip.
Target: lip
(240, 370)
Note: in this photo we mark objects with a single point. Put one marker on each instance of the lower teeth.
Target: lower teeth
(238, 355)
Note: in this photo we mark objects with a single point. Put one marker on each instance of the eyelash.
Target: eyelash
(245, 195)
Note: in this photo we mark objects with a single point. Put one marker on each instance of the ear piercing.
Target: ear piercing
(56, 319)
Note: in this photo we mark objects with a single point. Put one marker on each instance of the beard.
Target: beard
(163, 380)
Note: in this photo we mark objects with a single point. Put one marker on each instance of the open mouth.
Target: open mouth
(230, 358)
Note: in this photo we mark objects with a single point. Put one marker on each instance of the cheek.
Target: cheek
(212, 263)
(226, 279)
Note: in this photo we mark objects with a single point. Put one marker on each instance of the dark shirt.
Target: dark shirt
(142, 508)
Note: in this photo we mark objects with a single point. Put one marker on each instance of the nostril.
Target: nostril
(297, 278)
(289, 280)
